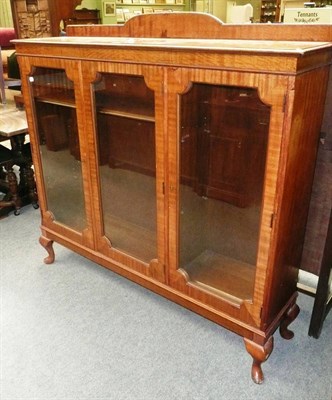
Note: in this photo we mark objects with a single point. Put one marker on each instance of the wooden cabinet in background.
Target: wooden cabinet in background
(41, 18)
(270, 11)
(84, 16)
(192, 164)
(231, 134)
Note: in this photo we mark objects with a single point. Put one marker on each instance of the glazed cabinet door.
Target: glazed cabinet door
(54, 113)
(127, 134)
(222, 186)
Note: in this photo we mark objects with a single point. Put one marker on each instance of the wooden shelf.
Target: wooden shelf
(58, 101)
(53, 90)
(125, 113)
(131, 238)
(122, 106)
(222, 276)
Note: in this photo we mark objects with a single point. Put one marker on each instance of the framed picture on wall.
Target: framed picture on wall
(109, 8)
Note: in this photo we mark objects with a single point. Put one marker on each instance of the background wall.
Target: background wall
(216, 7)
(90, 4)
(219, 7)
(98, 4)
(6, 19)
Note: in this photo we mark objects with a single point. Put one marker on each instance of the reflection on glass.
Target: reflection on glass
(126, 138)
(223, 144)
(54, 101)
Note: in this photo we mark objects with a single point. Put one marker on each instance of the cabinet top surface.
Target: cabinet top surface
(221, 45)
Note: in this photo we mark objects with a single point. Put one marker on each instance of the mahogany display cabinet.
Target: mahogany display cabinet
(183, 164)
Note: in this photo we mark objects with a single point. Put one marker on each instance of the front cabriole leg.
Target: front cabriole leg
(48, 245)
(259, 353)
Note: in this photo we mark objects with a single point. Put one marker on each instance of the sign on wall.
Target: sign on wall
(321, 15)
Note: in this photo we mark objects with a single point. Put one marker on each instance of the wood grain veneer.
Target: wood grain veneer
(289, 78)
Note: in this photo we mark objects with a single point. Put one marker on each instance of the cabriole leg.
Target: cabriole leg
(288, 318)
(259, 354)
(48, 245)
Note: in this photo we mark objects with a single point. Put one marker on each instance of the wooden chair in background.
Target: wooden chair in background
(6, 82)
(323, 296)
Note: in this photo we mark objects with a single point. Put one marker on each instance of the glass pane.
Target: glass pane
(54, 101)
(126, 138)
(223, 144)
